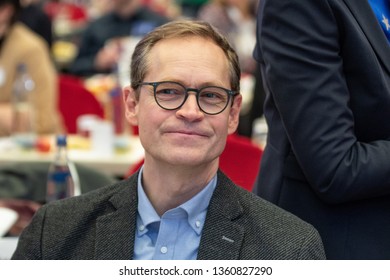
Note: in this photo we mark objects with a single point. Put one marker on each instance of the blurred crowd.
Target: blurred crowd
(85, 38)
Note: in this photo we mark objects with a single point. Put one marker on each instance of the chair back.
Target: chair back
(240, 160)
(75, 100)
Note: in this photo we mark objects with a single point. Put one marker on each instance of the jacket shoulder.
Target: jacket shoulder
(27, 37)
(269, 231)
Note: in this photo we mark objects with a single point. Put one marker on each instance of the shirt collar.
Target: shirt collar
(146, 213)
(196, 207)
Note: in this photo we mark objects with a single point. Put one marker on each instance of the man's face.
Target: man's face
(186, 136)
(6, 13)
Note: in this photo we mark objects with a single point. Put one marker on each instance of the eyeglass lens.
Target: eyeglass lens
(211, 100)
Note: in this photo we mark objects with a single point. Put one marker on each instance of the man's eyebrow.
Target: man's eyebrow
(201, 85)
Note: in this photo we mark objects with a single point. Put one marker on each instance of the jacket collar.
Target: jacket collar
(118, 225)
(366, 19)
(222, 236)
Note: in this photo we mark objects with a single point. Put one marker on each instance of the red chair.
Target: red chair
(75, 13)
(240, 161)
(75, 100)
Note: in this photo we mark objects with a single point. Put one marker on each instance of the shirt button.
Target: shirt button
(164, 250)
(197, 223)
(141, 228)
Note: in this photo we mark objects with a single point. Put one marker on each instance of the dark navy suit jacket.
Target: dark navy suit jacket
(326, 71)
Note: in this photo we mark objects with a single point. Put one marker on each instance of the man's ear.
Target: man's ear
(234, 114)
(131, 105)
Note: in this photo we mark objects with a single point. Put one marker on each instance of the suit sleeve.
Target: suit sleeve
(30, 241)
(303, 69)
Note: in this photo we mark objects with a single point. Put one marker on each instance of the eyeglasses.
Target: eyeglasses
(211, 100)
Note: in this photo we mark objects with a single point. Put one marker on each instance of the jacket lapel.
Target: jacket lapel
(115, 231)
(222, 236)
(367, 20)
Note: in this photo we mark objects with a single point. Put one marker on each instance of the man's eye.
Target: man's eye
(169, 94)
(168, 91)
(210, 95)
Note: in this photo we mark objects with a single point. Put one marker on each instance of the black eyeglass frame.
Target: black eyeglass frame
(231, 94)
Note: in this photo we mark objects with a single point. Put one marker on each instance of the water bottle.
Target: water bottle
(116, 111)
(117, 107)
(62, 181)
(22, 129)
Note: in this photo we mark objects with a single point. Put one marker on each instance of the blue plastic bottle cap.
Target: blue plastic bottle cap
(61, 140)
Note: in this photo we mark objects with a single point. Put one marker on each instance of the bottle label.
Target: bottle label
(60, 185)
(60, 176)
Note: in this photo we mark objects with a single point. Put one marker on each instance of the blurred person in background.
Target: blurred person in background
(100, 46)
(326, 68)
(67, 17)
(185, 97)
(98, 8)
(236, 19)
(18, 44)
(167, 8)
(35, 18)
(190, 8)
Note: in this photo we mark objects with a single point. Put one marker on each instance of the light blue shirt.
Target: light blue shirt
(176, 234)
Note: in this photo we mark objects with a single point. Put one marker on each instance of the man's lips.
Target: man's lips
(188, 132)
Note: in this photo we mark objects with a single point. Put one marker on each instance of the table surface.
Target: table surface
(116, 164)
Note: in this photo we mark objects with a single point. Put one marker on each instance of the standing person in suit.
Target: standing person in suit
(326, 69)
(185, 98)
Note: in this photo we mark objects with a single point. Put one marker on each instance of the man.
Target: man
(101, 43)
(18, 45)
(185, 98)
(326, 70)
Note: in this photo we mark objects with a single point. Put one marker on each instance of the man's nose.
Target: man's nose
(190, 109)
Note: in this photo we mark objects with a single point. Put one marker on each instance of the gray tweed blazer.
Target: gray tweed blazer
(101, 225)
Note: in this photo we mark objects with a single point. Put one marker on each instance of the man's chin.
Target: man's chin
(189, 160)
